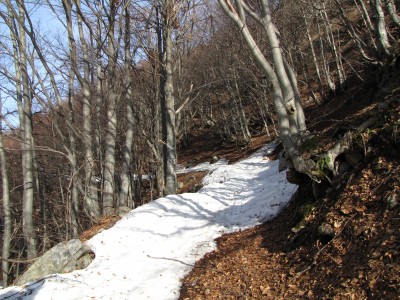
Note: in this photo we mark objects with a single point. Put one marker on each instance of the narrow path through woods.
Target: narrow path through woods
(148, 252)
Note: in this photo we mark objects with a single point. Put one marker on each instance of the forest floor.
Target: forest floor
(287, 257)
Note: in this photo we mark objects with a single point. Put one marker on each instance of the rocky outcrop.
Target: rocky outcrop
(63, 258)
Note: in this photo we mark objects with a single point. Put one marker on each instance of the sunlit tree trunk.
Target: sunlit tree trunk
(125, 193)
(27, 165)
(314, 56)
(98, 105)
(167, 97)
(284, 108)
(284, 102)
(73, 198)
(111, 131)
(381, 34)
(7, 221)
(325, 66)
(365, 15)
(391, 7)
(153, 142)
(331, 40)
(91, 200)
(361, 45)
(300, 117)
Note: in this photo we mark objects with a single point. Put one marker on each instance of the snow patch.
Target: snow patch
(148, 252)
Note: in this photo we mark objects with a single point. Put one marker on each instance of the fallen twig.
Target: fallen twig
(19, 261)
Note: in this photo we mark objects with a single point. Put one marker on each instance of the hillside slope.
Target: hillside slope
(146, 253)
(343, 245)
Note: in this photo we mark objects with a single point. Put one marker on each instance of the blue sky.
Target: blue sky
(48, 24)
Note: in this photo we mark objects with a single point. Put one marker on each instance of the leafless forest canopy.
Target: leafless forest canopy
(98, 99)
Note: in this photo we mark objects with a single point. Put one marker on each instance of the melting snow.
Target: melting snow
(145, 254)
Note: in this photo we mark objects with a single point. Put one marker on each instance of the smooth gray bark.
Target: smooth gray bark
(91, 200)
(358, 41)
(282, 110)
(331, 39)
(365, 15)
(301, 119)
(126, 193)
(314, 56)
(391, 8)
(73, 205)
(381, 33)
(7, 221)
(27, 147)
(325, 65)
(111, 131)
(153, 141)
(170, 159)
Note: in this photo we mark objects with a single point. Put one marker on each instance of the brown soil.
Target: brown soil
(290, 257)
(206, 144)
(361, 261)
(287, 257)
(103, 223)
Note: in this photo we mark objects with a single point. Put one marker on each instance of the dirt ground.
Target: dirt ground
(342, 246)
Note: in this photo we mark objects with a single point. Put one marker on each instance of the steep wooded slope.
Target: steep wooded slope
(343, 245)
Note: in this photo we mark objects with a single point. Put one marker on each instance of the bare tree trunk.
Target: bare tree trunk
(284, 105)
(157, 131)
(365, 15)
(367, 22)
(331, 40)
(7, 222)
(168, 98)
(111, 132)
(73, 203)
(91, 203)
(16, 19)
(99, 103)
(91, 200)
(327, 73)
(391, 8)
(301, 119)
(28, 178)
(314, 56)
(384, 48)
(284, 82)
(361, 45)
(125, 193)
(283, 111)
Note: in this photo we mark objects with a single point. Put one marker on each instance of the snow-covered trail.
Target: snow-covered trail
(146, 253)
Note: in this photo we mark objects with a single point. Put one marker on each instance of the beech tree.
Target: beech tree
(287, 106)
(91, 199)
(109, 98)
(167, 14)
(7, 221)
(125, 195)
(15, 21)
(376, 48)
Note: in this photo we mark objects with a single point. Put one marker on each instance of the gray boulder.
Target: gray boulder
(65, 257)
(123, 210)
